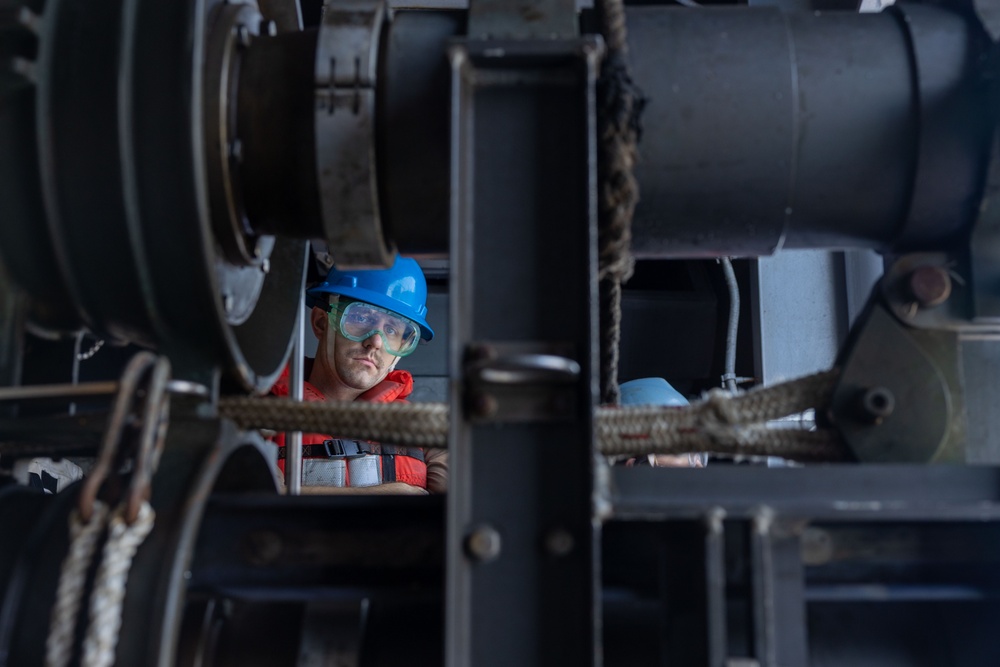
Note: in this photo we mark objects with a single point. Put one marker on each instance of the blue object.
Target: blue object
(401, 288)
(650, 391)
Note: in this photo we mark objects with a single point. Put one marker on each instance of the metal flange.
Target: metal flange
(233, 28)
(346, 70)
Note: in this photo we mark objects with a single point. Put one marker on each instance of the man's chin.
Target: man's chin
(362, 376)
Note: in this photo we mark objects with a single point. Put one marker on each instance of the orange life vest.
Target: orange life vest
(396, 464)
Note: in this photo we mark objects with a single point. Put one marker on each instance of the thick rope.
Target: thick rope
(72, 579)
(620, 104)
(109, 586)
(722, 423)
(418, 424)
(105, 607)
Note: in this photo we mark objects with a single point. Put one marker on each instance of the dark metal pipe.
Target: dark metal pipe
(763, 129)
(767, 130)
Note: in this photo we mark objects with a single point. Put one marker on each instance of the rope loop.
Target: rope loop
(124, 538)
(142, 395)
(84, 536)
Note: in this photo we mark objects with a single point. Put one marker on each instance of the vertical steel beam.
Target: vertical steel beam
(522, 557)
(715, 586)
(778, 593)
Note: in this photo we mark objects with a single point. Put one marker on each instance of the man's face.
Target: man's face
(359, 365)
(342, 363)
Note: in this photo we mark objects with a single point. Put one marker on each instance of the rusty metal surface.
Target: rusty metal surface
(346, 64)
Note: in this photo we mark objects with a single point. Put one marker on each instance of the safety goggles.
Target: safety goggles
(359, 321)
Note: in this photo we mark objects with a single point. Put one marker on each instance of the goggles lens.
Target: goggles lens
(360, 321)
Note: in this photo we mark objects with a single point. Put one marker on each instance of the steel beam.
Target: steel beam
(521, 538)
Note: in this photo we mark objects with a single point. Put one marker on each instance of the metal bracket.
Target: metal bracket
(346, 70)
(520, 382)
(899, 397)
(935, 291)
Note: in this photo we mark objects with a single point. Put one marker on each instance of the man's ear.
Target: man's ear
(319, 320)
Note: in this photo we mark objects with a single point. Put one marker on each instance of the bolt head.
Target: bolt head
(930, 285)
(483, 544)
(876, 404)
(559, 542)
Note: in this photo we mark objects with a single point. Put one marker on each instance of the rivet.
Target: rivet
(483, 544)
(559, 542)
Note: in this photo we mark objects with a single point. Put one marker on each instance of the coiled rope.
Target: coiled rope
(722, 422)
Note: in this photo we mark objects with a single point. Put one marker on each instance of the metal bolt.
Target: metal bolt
(243, 36)
(265, 266)
(483, 544)
(875, 404)
(236, 150)
(228, 301)
(559, 542)
(930, 286)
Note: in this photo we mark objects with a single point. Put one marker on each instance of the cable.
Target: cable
(729, 378)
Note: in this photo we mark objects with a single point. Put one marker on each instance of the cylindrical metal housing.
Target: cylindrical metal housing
(766, 129)
(762, 129)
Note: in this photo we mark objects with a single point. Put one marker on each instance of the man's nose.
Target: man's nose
(375, 341)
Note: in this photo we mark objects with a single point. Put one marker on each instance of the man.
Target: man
(366, 321)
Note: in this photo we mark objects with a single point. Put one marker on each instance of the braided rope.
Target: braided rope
(722, 423)
(72, 578)
(620, 103)
(418, 424)
(109, 586)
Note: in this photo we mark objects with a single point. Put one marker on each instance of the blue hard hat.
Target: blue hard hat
(401, 288)
(650, 391)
